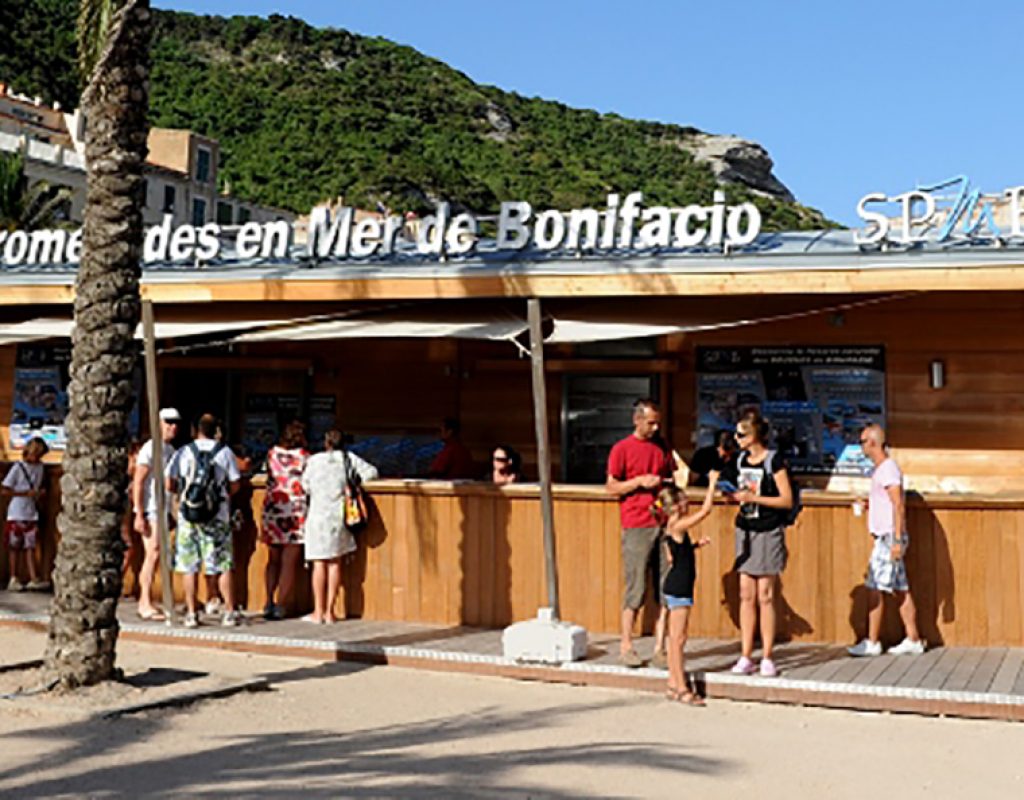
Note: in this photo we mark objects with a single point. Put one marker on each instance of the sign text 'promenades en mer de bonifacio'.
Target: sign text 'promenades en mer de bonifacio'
(625, 224)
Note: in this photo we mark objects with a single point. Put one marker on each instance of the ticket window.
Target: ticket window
(597, 411)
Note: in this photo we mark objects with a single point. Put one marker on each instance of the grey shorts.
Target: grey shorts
(762, 552)
(884, 574)
(637, 546)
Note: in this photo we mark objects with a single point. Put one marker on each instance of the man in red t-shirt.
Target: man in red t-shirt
(638, 466)
(454, 462)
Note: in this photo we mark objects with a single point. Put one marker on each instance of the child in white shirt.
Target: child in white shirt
(24, 485)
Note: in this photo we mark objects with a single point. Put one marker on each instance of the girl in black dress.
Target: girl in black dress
(672, 507)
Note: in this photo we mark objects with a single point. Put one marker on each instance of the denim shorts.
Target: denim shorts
(677, 602)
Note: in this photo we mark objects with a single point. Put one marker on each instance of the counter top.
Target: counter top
(566, 491)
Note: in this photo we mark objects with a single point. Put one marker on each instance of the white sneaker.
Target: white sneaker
(14, 585)
(865, 647)
(212, 607)
(191, 620)
(908, 647)
(744, 667)
(231, 619)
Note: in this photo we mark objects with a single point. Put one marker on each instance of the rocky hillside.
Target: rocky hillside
(304, 114)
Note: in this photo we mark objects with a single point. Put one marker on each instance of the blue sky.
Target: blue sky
(848, 98)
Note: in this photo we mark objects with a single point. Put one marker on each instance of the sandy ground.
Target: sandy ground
(349, 731)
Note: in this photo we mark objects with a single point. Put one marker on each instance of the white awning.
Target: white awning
(597, 322)
(396, 327)
(56, 328)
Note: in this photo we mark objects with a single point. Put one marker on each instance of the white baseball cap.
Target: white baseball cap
(170, 415)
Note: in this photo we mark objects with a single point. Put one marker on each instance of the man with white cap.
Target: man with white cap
(144, 502)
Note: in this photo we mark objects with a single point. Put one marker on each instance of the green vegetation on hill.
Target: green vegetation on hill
(304, 114)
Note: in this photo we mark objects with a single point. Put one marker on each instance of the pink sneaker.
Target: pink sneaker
(744, 667)
(768, 669)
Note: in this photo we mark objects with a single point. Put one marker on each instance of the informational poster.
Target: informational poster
(40, 394)
(264, 414)
(817, 399)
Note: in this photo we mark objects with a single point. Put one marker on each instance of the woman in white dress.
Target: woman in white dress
(325, 537)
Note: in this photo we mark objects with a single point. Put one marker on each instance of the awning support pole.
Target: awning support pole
(149, 332)
(540, 418)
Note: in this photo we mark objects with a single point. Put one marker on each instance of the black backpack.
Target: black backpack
(203, 495)
(790, 514)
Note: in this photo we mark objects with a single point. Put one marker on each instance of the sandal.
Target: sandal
(690, 699)
(155, 615)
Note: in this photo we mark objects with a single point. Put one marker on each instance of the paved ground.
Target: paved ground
(979, 682)
(346, 730)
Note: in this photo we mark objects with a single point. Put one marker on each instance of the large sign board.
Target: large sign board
(817, 399)
(941, 212)
(625, 224)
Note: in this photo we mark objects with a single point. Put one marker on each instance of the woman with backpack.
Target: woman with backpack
(766, 497)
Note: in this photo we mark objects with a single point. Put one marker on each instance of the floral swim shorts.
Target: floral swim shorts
(21, 534)
(206, 545)
(886, 574)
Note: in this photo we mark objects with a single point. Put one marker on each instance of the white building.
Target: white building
(181, 169)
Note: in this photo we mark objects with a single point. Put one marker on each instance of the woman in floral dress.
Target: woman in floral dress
(284, 514)
(326, 537)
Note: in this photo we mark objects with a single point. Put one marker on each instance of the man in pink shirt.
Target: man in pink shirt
(637, 467)
(887, 523)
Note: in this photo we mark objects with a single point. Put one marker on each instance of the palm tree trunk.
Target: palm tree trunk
(87, 576)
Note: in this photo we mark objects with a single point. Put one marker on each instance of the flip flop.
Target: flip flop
(151, 616)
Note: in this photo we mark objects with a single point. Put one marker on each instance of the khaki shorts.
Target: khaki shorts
(637, 546)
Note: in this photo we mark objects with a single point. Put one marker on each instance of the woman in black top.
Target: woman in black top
(677, 589)
(764, 495)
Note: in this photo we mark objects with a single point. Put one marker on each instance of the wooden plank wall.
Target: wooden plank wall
(472, 554)
(979, 337)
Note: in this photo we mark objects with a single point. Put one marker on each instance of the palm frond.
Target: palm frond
(29, 206)
(45, 206)
(93, 31)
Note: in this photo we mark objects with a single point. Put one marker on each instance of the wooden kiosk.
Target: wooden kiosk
(616, 325)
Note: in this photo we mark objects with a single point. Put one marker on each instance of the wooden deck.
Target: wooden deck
(955, 681)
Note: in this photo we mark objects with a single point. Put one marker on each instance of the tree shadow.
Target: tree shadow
(437, 757)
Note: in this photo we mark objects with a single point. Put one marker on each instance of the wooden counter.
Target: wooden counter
(471, 553)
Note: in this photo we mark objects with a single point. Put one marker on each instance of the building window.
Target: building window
(170, 198)
(198, 211)
(244, 215)
(203, 165)
(225, 213)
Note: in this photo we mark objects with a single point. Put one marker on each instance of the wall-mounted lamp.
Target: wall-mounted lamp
(937, 374)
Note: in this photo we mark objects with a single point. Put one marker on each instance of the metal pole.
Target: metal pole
(149, 334)
(540, 418)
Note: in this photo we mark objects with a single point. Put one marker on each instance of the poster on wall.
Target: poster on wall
(264, 414)
(817, 398)
(40, 394)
